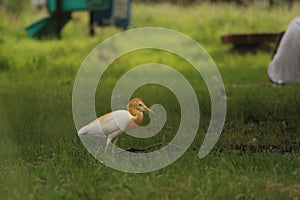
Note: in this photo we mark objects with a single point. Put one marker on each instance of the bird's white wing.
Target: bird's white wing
(107, 124)
(117, 120)
(92, 128)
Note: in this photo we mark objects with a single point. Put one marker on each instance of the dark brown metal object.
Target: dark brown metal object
(254, 39)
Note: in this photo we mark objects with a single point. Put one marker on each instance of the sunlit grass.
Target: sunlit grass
(257, 156)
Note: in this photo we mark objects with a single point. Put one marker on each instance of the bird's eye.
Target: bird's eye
(140, 104)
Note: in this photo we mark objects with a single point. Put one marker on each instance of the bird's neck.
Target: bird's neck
(137, 116)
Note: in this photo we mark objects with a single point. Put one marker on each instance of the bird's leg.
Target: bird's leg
(114, 145)
(113, 136)
(108, 141)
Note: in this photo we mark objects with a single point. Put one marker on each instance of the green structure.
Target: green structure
(102, 12)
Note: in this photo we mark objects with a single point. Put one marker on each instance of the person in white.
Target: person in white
(285, 65)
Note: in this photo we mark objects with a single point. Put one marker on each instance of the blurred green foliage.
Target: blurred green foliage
(241, 2)
(15, 6)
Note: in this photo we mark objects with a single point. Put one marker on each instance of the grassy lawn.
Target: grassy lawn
(41, 156)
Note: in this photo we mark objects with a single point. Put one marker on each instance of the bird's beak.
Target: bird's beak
(148, 109)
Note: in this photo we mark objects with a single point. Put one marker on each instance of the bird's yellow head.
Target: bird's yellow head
(138, 104)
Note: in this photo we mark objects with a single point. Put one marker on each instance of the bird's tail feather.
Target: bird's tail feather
(92, 129)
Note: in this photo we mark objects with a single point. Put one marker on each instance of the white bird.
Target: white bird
(113, 124)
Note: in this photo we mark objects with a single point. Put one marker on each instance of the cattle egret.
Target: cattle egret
(113, 124)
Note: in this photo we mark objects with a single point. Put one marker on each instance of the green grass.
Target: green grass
(257, 156)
